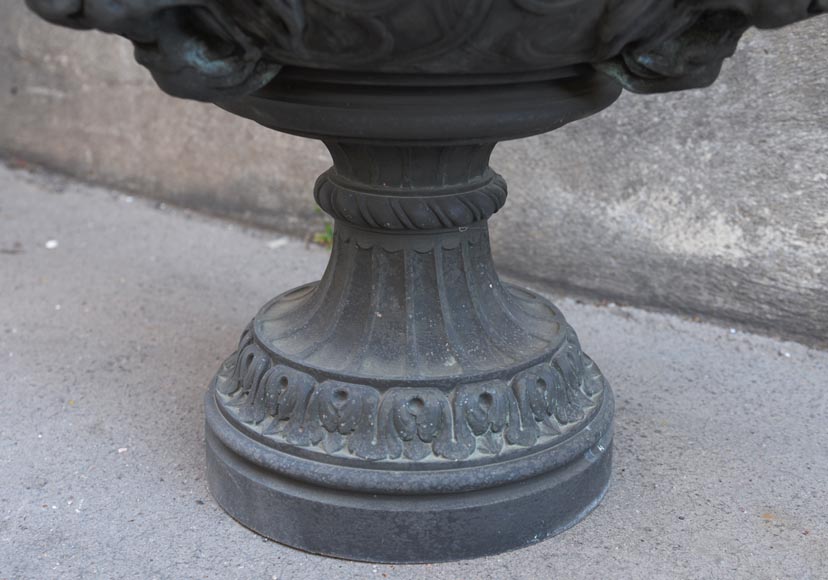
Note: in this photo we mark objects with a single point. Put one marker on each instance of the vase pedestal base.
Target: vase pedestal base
(409, 407)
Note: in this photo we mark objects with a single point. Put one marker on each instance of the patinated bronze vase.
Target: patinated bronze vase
(411, 406)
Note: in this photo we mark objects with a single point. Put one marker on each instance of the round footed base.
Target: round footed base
(399, 528)
(402, 527)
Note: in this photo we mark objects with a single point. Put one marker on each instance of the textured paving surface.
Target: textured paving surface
(108, 340)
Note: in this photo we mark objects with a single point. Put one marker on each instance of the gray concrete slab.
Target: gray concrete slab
(108, 340)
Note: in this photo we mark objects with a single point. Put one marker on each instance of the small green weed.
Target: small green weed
(324, 238)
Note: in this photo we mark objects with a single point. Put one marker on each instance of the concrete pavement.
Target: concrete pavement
(115, 312)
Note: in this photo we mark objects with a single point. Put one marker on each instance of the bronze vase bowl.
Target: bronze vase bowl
(410, 406)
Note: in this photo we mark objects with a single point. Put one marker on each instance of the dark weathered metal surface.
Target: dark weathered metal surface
(410, 395)
(204, 49)
(410, 407)
(413, 397)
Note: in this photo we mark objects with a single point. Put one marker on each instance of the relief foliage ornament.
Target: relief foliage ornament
(210, 49)
(538, 406)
